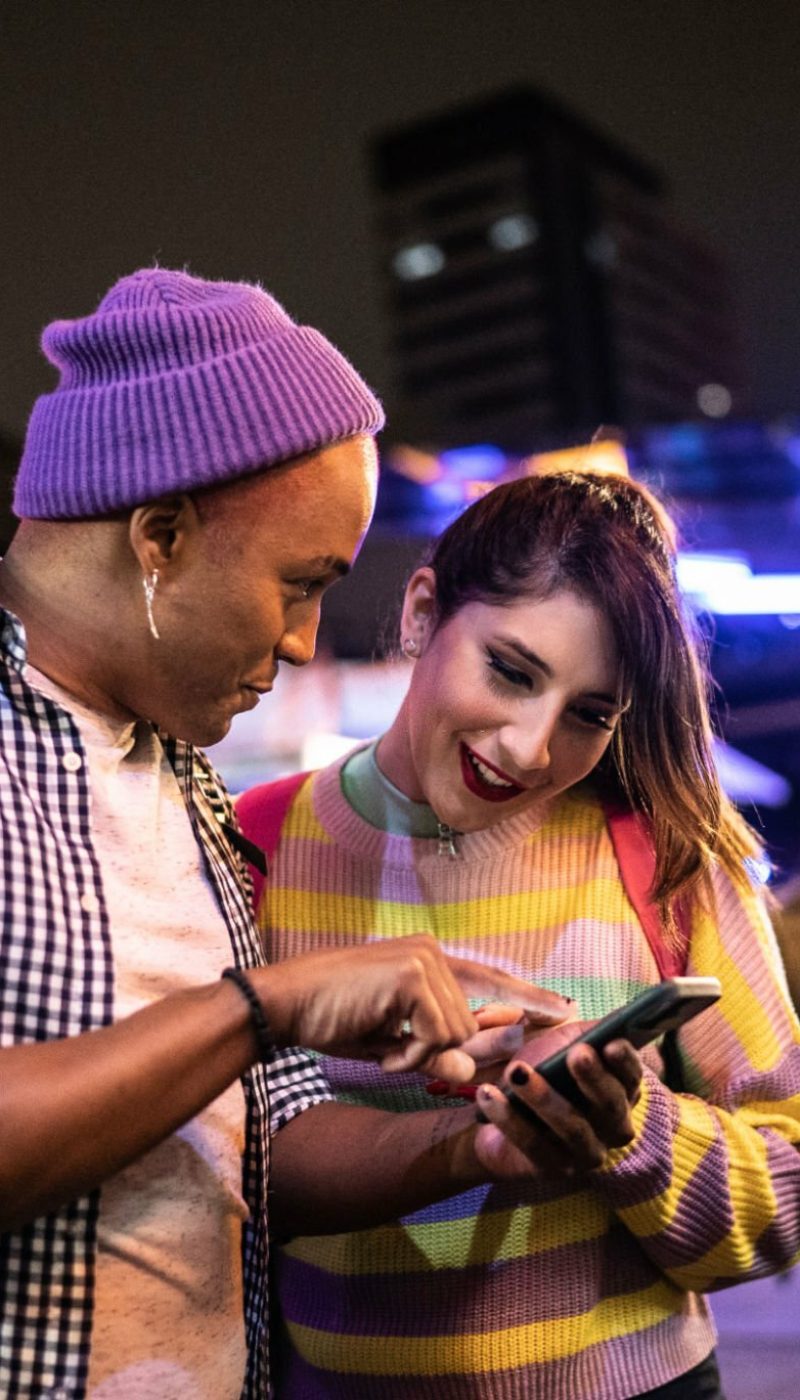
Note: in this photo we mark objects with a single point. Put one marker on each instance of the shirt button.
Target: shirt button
(72, 761)
(89, 902)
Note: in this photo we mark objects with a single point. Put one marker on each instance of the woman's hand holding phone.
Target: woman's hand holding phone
(575, 1104)
(558, 1137)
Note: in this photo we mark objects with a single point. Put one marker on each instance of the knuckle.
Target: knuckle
(619, 1136)
(580, 1139)
(609, 1107)
(415, 968)
(426, 942)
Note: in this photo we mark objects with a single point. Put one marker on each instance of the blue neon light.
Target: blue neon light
(481, 462)
(726, 585)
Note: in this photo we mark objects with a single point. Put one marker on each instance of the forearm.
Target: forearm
(77, 1110)
(713, 1197)
(338, 1167)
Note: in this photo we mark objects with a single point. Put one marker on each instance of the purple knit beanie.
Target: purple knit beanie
(174, 384)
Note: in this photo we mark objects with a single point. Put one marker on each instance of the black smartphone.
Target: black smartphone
(651, 1014)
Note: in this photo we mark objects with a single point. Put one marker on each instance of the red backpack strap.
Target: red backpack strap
(633, 847)
(261, 812)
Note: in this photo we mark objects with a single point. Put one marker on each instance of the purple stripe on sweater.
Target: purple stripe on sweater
(771, 1085)
(777, 1246)
(567, 1281)
(704, 1215)
(647, 1170)
(610, 1370)
(489, 1200)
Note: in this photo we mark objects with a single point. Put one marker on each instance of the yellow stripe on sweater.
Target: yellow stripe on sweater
(782, 1118)
(748, 1020)
(301, 821)
(457, 1244)
(296, 910)
(752, 1200)
(500, 1350)
(695, 1135)
(753, 1210)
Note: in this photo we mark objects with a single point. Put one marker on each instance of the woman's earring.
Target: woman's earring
(149, 585)
(409, 646)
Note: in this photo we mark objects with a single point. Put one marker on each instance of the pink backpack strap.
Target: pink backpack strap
(261, 812)
(633, 847)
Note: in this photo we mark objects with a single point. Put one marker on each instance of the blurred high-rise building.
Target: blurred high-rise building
(536, 282)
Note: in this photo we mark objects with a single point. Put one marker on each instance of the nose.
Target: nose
(298, 643)
(526, 746)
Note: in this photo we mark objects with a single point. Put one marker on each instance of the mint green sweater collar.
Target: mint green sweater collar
(370, 794)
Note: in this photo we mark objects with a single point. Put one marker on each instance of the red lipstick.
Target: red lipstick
(488, 792)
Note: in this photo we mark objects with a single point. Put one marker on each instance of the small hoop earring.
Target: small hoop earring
(409, 646)
(149, 584)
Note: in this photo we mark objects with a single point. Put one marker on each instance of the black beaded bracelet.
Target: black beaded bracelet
(258, 1017)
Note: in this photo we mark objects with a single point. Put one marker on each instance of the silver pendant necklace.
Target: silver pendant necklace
(447, 840)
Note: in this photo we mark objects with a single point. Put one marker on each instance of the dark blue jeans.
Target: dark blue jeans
(701, 1383)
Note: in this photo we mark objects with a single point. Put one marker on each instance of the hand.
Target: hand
(400, 1001)
(568, 1141)
(504, 1031)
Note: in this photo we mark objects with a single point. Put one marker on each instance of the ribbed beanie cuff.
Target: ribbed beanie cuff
(175, 383)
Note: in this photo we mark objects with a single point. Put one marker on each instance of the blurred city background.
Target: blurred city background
(544, 233)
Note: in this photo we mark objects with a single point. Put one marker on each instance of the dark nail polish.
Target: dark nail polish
(519, 1075)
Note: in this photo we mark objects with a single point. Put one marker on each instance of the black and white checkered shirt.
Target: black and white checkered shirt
(57, 979)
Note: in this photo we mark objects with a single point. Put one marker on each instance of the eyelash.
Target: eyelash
(306, 587)
(500, 668)
(502, 675)
(596, 720)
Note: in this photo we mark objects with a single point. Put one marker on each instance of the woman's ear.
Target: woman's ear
(418, 618)
(159, 531)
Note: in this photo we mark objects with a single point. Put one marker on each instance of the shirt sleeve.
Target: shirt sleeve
(710, 1184)
(295, 1082)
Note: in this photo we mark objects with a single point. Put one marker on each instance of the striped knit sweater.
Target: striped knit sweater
(573, 1290)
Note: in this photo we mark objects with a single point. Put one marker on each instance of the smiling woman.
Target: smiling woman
(519, 701)
(556, 686)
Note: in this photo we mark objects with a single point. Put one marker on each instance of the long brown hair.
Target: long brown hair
(608, 539)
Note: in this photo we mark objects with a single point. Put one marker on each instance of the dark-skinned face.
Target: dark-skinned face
(243, 593)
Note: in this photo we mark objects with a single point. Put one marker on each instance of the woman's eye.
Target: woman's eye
(508, 673)
(596, 719)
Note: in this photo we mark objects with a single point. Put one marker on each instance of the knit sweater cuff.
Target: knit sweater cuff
(646, 1166)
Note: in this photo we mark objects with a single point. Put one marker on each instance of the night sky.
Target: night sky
(231, 138)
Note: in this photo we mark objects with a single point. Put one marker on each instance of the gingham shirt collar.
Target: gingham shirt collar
(56, 979)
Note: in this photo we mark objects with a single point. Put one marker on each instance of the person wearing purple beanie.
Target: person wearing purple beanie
(203, 471)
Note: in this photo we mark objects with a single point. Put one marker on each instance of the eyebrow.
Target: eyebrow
(536, 661)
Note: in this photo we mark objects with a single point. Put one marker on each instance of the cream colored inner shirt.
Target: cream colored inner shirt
(168, 1316)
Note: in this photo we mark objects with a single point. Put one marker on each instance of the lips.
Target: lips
(260, 687)
(478, 782)
(250, 697)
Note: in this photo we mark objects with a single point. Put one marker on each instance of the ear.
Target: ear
(418, 618)
(160, 531)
